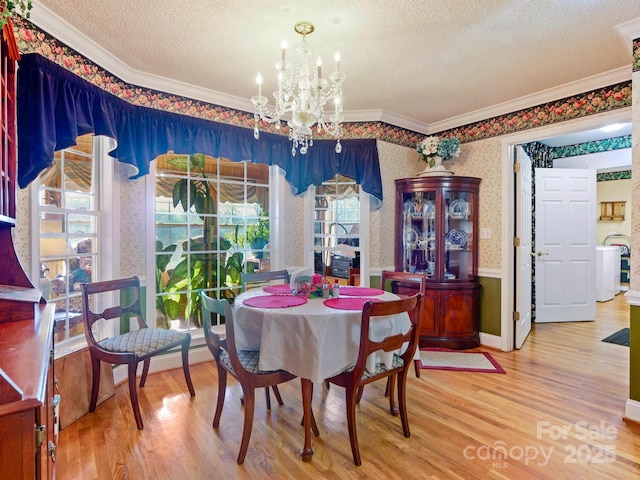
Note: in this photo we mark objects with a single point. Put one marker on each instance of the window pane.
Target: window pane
(208, 214)
(336, 236)
(68, 232)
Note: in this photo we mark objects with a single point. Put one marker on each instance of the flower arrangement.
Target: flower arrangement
(432, 147)
(311, 287)
(9, 8)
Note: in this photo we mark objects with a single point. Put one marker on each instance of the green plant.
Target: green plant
(205, 263)
(258, 231)
(10, 8)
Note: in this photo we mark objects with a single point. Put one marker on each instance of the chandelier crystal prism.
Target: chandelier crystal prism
(302, 95)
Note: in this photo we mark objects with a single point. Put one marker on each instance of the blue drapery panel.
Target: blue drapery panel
(55, 107)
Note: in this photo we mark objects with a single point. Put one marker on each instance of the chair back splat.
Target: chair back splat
(129, 348)
(260, 279)
(356, 377)
(240, 364)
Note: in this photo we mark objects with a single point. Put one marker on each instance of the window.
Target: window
(211, 224)
(68, 209)
(337, 226)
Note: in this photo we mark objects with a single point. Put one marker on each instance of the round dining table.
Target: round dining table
(313, 338)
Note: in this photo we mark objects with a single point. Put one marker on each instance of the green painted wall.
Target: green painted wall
(490, 302)
(490, 315)
(634, 353)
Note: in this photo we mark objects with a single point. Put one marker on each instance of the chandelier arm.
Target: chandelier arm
(303, 92)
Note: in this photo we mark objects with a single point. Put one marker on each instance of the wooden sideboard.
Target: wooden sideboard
(27, 408)
(27, 436)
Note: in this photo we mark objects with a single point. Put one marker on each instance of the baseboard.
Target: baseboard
(168, 361)
(488, 340)
(632, 410)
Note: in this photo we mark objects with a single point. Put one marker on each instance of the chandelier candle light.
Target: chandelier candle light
(303, 93)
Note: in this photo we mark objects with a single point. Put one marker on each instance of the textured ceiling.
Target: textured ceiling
(428, 61)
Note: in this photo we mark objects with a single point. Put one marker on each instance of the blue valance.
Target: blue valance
(55, 107)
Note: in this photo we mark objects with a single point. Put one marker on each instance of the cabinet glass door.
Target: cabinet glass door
(419, 232)
(458, 236)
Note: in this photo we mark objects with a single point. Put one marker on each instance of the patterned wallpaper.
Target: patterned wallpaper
(635, 169)
(591, 147)
(608, 176)
(294, 217)
(133, 221)
(395, 162)
(483, 159)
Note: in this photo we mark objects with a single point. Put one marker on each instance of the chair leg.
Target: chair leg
(95, 383)
(402, 399)
(185, 368)
(249, 402)
(350, 399)
(267, 397)
(359, 394)
(276, 393)
(416, 366)
(133, 367)
(387, 390)
(222, 390)
(393, 408)
(145, 371)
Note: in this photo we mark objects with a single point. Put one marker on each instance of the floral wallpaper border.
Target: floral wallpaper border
(608, 176)
(592, 147)
(31, 39)
(595, 147)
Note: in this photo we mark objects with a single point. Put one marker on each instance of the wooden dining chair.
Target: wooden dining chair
(240, 364)
(130, 348)
(357, 376)
(260, 279)
(404, 284)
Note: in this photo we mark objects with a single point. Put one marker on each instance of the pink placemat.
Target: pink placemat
(353, 303)
(360, 291)
(275, 301)
(282, 289)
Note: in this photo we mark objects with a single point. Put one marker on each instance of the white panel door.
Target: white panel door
(565, 245)
(523, 252)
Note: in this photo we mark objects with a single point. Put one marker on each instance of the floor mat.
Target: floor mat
(442, 359)
(621, 337)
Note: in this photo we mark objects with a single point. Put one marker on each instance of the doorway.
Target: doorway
(510, 298)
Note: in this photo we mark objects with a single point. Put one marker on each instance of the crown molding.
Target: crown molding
(628, 32)
(386, 117)
(46, 20)
(568, 89)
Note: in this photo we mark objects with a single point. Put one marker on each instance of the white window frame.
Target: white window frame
(364, 232)
(107, 254)
(276, 185)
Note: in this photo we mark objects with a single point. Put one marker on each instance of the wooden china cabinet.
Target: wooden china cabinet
(437, 234)
(27, 440)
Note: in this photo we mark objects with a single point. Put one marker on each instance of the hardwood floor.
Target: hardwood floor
(557, 413)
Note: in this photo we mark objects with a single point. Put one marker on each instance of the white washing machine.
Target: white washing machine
(607, 272)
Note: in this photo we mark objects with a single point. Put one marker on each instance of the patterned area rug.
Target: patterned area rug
(621, 337)
(443, 359)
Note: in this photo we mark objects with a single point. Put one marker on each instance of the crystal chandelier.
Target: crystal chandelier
(302, 93)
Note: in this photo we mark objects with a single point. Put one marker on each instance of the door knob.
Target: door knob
(540, 253)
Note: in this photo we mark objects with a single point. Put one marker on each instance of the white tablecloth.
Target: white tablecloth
(312, 341)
